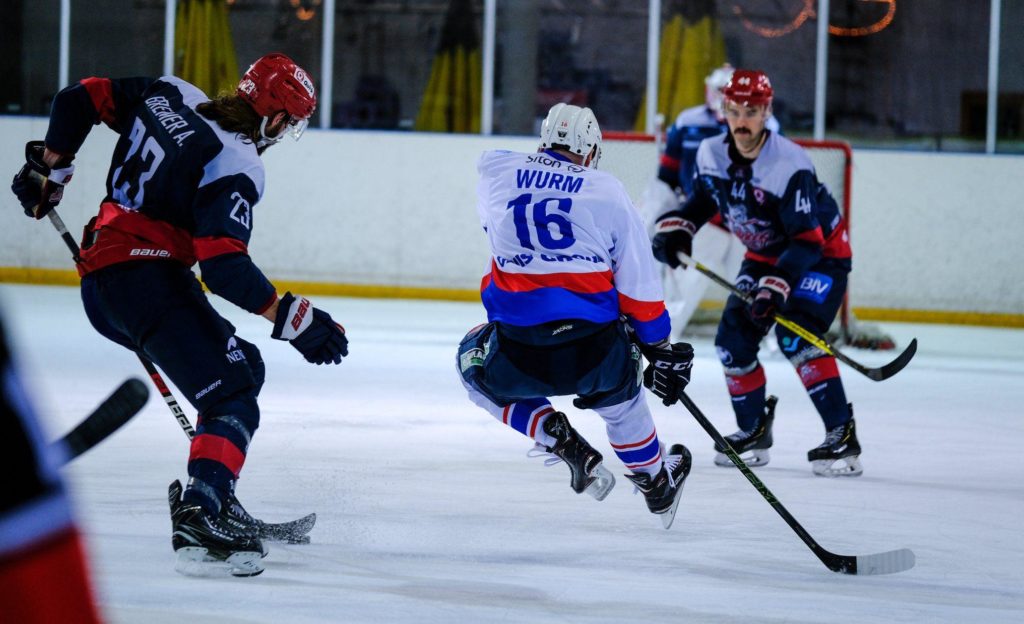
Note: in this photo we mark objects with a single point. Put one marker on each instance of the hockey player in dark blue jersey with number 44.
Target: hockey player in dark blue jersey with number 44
(183, 181)
(797, 262)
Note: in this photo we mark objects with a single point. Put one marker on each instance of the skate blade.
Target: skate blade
(602, 484)
(669, 515)
(196, 561)
(843, 467)
(753, 458)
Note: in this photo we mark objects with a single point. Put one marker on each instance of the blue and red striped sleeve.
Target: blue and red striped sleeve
(77, 108)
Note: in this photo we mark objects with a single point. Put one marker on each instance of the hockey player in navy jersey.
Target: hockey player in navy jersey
(184, 178)
(569, 259)
(798, 258)
(716, 246)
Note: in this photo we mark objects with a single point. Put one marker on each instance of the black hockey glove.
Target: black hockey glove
(672, 234)
(668, 369)
(313, 332)
(39, 187)
(769, 297)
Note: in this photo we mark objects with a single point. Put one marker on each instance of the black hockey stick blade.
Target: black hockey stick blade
(895, 366)
(879, 563)
(111, 414)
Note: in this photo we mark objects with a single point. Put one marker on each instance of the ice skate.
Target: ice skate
(664, 490)
(234, 516)
(754, 443)
(839, 454)
(588, 473)
(207, 545)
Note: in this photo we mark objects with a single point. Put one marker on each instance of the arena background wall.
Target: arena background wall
(936, 237)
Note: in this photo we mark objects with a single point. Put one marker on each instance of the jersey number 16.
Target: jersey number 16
(542, 220)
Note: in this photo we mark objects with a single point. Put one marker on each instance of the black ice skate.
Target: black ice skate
(235, 517)
(663, 491)
(207, 545)
(587, 473)
(839, 454)
(755, 442)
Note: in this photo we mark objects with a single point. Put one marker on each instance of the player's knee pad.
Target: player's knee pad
(796, 349)
(255, 360)
(476, 352)
(738, 357)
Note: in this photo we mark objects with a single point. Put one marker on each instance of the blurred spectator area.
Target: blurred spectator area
(1009, 114)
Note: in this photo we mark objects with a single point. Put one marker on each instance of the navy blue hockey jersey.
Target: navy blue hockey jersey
(775, 204)
(179, 187)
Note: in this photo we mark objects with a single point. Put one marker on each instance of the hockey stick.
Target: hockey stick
(151, 370)
(887, 562)
(113, 412)
(877, 374)
(294, 531)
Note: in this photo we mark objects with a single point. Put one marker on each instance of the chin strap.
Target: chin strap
(264, 140)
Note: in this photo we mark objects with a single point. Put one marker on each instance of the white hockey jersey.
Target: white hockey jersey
(566, 243)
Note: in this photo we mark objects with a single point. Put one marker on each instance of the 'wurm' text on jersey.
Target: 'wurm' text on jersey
(168, 118)
(527, 178)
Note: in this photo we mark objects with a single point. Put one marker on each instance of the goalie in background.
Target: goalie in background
(570, 278)
(43, 572)
(714, 246)
(765, 189)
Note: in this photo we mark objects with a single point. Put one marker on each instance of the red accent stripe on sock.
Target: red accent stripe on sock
(818, 370)
(218, 449)
(537, 417)
(644, 442)
(744, 384)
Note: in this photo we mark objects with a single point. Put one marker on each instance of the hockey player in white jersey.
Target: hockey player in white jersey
(573, 296)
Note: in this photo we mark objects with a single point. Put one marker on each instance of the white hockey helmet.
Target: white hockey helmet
(713, 85)
(574, 129)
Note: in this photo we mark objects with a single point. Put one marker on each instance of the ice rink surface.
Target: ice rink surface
(430, 511)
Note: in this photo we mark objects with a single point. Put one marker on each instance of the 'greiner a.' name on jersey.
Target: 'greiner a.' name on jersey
(168, 118)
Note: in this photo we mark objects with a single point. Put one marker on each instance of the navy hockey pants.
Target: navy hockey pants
(158, 309)
(814, 302)
(508, 364)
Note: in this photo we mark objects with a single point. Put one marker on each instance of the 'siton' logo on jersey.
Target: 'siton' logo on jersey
(241, 211)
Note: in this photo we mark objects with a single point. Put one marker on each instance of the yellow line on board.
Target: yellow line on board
(70, 278)
(61, 277)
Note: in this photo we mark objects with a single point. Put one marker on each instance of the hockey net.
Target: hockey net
(633, 159)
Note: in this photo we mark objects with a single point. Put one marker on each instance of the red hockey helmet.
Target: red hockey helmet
(275, 83)
(748, 87)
